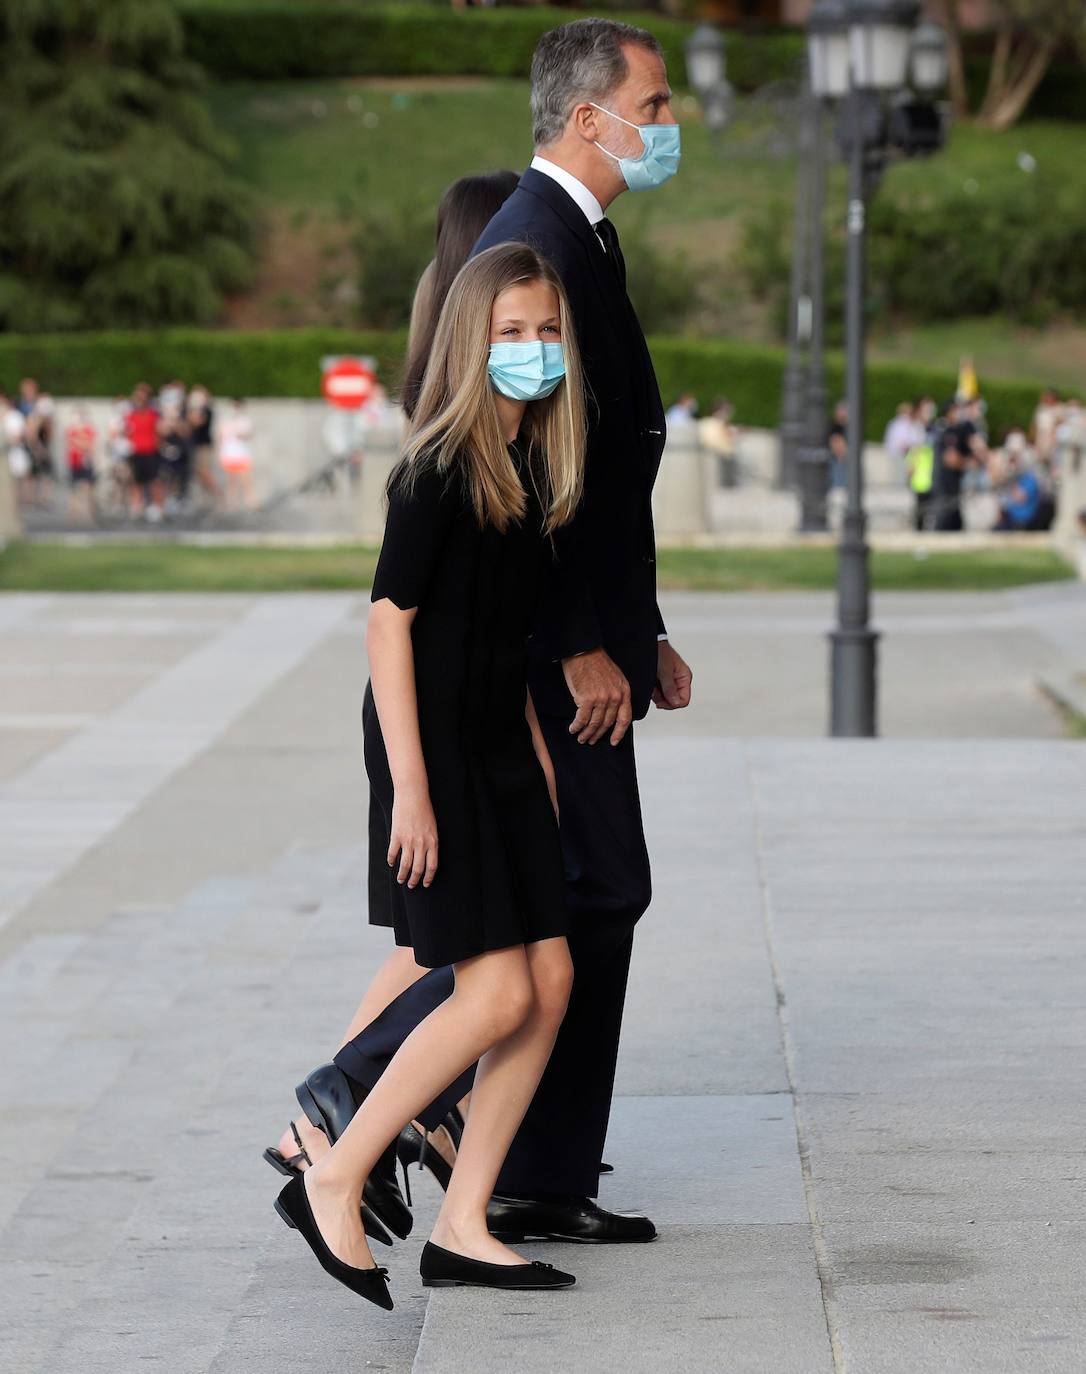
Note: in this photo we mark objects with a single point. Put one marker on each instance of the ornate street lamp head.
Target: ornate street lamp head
(705, 59)
(827, 49)
(879, 33)
(929, 61)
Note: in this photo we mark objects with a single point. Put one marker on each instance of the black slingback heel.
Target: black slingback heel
(413, 1148)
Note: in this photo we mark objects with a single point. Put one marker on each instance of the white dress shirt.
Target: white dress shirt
(576, 190)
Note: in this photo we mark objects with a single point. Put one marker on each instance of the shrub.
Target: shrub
(273, 39)
(266, 41)
(286, 363)
(1009, 244)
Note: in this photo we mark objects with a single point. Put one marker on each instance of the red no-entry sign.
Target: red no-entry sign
(348, 382)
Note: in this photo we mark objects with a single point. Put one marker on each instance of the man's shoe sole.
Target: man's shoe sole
(518, 1238)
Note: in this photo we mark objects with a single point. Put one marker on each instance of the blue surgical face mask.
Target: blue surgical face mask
(526, 371)
(659, 159)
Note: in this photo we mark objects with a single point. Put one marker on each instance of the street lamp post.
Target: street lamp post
(827, 54)
(794, 381)
(881, 39)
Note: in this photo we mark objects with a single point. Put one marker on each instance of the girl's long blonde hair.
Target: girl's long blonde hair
(455, 424)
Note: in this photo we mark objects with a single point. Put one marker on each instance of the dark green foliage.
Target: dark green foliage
(287, 363)
(1010, 245)
(233, 38)
(392, 248)
(115, 205)
(663, 286)
(1001, 243)
(272, 39)
(751, 378)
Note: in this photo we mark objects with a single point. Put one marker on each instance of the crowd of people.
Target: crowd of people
(153, 458)
(947, 453)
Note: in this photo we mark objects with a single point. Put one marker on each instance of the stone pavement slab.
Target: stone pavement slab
(848, 1083)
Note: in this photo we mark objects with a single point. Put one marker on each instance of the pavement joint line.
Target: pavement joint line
(822, 1264)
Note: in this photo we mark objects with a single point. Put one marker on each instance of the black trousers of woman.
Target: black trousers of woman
(559, 1147)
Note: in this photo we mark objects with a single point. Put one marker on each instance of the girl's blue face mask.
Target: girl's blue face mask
(526, 371)
(659, 160)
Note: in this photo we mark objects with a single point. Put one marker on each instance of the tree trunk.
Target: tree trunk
(1007, 105)
(959, 94)
(997, 74)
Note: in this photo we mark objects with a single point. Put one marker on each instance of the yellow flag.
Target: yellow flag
(968, 386)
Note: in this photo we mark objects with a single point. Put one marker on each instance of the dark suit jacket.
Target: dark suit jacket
(603, 591)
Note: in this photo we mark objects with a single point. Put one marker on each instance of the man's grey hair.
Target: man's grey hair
(582, 60)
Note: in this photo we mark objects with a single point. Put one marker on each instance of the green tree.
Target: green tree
(116, 204)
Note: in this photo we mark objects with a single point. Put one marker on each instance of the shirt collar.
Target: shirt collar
(576, 190)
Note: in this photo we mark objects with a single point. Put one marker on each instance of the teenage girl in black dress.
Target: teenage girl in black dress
(493, 466)
(465, 210)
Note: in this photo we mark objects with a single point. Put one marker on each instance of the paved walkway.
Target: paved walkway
(848, 1088)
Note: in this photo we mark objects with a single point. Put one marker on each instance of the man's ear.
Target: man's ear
(585, 120)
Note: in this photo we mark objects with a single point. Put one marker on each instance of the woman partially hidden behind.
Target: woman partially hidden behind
(492, 467)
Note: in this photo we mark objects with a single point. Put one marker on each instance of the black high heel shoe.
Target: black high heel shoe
(288, 1164)
(445, 1269)
(330, 1099)
(293, 1206)
(413, 1148)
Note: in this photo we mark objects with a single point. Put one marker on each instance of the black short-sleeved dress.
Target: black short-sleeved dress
(499, 880)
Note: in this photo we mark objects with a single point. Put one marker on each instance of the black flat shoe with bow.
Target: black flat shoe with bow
(330, 1099)
(444, 1269)
(371, 1284)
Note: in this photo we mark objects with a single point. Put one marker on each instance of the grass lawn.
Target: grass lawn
(43, 567)
(311, 148)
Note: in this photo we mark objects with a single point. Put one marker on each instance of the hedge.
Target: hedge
(286, 363)
(267, 41)
(278, 39)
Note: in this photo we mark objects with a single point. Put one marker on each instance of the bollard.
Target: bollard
(680, 499)
(382, 452)
(11, 526)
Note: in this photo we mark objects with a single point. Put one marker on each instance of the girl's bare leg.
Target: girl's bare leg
(492, 999)
(505, 1084)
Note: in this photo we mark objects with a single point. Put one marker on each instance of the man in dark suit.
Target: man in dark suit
(602, 123)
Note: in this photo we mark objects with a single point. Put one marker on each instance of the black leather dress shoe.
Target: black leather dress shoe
(577, 1219)
(330, 1099)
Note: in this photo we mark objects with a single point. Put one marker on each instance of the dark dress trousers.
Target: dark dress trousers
(602, 592)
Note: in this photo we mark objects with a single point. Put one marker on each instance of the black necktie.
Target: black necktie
(609, 237)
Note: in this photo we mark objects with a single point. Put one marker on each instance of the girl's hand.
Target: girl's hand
(414, 838)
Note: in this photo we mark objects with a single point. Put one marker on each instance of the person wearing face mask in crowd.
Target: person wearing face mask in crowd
(600, 654)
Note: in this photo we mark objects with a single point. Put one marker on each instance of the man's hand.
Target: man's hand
(601, 694)
(673, 680)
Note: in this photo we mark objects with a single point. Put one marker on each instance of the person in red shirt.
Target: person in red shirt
(141, 425)
(79, 440)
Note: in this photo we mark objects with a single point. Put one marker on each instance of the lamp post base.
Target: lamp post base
(813, 484)
(853, 669)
